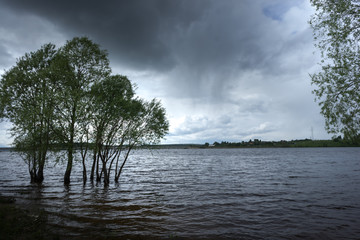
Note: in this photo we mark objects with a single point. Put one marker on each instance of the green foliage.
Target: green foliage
(26, 92)
(80, 64)
(336, 26)
(122, 122)
(67, 97)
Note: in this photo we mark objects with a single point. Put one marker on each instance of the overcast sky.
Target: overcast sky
(225, 70)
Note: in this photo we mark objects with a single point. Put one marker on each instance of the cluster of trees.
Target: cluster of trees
(336, 26)
(68, 97)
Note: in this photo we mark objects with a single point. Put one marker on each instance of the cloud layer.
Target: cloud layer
(225, 70)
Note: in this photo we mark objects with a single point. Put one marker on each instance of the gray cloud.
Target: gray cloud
(23, 32)
(160, 34)
(223, 69)
(5, 56)
(135, 31)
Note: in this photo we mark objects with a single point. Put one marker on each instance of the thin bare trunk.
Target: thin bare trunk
(93, 167)
(123, 164)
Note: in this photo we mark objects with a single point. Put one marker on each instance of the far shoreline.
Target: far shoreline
(256, 143)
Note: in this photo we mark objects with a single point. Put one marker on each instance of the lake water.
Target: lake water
(293, 193)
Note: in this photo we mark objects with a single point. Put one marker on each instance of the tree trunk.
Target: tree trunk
(37, 173)
(37, 176)
(106, 176)
(123, 164)
(93, 167)
(40, 172)
(68, 167)
(98, 175)
(32, 176)
(40, 175)
(83, 157)
(32, 169)
(70, 145)
(84, 172)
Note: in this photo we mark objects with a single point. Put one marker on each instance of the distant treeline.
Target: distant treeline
(337, 142)
(256, 143)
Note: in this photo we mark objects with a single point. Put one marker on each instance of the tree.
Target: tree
(122, 122)
(81, 63)
(26, 95)
(336, 26)
(111, 104)
(148, 125)
(67, 97)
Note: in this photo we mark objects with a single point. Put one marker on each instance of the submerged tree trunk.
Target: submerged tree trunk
(36, 166)
(68, 167)
(84, 171)
(70, 146)
(42, 156)
(37, 176)
(106, 176)
(40, 175)
(122, 165)
(98, 175)
(93, 167)
(84, 151)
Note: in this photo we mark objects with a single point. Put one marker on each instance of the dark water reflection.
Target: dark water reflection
(204, 194)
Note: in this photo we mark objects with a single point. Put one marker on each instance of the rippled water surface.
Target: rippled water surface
(297, 193)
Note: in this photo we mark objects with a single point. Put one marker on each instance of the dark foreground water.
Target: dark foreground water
(309, 193)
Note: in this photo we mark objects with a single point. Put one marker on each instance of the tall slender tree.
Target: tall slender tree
(148, 124)
(26, 96)
(122, 122)
(111, 100)
(81, 64)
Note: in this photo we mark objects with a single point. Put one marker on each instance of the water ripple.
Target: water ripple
(203, 194)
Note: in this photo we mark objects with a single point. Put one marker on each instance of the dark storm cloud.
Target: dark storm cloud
(202, 42)
(134, 31)
(159, 34)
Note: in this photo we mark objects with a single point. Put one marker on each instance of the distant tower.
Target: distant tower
(312, 133)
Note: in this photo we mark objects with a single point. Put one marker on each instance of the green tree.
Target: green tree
(148, 124)
(336, 26)
(111, 103)
(122, 122)
(68, 98)
(81, 63)
(26, 95)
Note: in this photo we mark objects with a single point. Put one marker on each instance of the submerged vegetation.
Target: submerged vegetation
(68, 97)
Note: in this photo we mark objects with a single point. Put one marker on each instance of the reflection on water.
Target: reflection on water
(204, 193)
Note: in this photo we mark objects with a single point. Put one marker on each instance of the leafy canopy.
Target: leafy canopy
(336, 26)
(66, 97)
